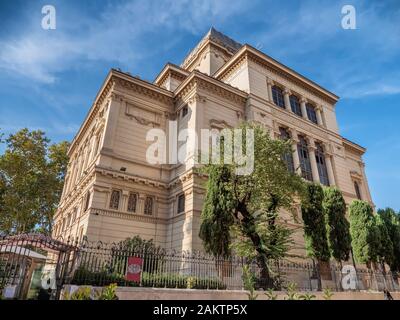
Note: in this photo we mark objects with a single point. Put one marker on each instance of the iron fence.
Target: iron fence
(34, 264)
(100, 264)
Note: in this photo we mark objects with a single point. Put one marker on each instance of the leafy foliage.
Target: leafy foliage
(249, 281)
(217, 217)
(248, 205)
(31, 181)
(385, 250)
(291, 292)
(391, 221)
(135, 246)
(108, 293)
(307, 296)
(82, 293)
(314, 223)
(271, 294)
(364, 232)
(83, 276)
(337, 226)
(328, 294)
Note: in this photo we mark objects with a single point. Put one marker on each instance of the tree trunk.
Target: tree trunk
(248, 227)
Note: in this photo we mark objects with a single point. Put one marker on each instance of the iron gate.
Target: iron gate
(34, 266)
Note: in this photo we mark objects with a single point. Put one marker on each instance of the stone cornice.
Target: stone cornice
(130, 177)
(353, 146)
(173, 71)
(145, 88)
(200, 48)
(124, 80)
(202, 81)
(102, 95)
(247, 52)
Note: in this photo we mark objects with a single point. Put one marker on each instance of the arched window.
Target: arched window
(277, 96)
(132, 200)
(311, 113)
(357, 188)
(114, 200)
(304, 157)
(295, 105)
(322, 170)
(148, 206)
(287, 157)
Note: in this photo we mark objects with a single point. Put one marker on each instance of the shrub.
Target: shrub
(108, 293)
(82, 293)
(157, 280)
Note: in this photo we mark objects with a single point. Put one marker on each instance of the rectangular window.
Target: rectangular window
(311, 114)
(321, 164)
(87, 201)
(277, 96)
(114, 200)
(295, 105)
(148, 206)
(287, 157)
(181, 203)
(304, 158)
(185, 111)
(132, 201)
(357, 189)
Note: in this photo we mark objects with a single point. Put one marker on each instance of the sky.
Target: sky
(49, 78)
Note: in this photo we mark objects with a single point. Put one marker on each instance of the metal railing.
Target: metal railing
(100, 264)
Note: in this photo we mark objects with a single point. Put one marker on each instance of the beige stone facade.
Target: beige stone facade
(111, 192)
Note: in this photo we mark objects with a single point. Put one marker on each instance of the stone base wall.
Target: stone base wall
(129, 293)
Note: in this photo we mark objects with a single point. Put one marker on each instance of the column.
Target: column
(329, 168)
(269, 85)
(92, 147)
(286, 94)
(318, 111)
(314, 167)
(111, 121)
(85, 157)
(303, 102)
(73, 173)
(296, 159)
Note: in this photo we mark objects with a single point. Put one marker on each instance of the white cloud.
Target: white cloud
(116, 35)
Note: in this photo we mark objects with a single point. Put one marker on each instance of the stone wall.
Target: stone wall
(127, 293)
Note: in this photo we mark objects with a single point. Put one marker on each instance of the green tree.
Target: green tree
(31, 175)
(385, 251)
(337, 226)
(391, 221)
(217, 214)
(250, 203)
(315, 234)
(136, 246)
(365, 236)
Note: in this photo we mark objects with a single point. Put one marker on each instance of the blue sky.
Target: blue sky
(49, 78)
